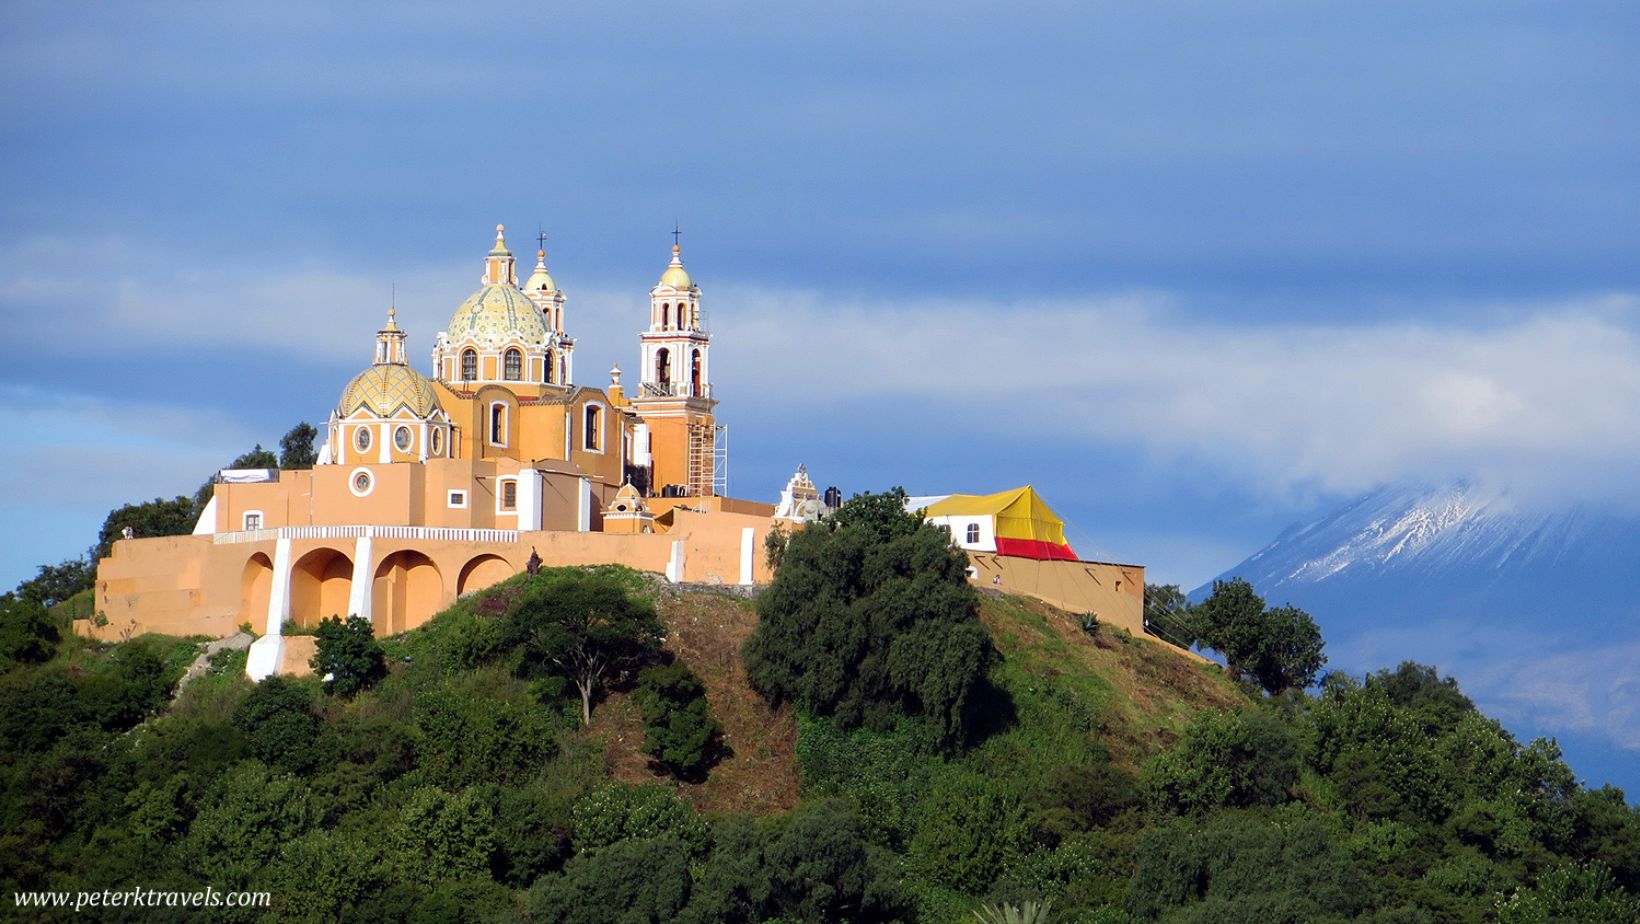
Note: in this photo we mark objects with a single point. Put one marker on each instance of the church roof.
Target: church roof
(495, 315)
(385, 388)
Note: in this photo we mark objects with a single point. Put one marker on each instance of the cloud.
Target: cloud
(1547, 402)
(1543, 398)
(69, 459)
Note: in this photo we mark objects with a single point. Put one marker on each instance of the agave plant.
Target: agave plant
(1028, 913)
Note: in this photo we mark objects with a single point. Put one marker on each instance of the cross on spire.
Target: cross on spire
(540, 238)
(677, 234)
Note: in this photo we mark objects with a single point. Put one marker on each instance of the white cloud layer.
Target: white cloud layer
(1545, 402)
(1548, 403)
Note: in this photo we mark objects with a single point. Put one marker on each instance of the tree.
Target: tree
(296, 447)
(256, 458)
(278, 722)
(348, 655)
(56, 583)
(1167, 613)
(583, 627)
(1278, 649)
(679, 731)
(1226, 760)
(871, 616)
(158, 517)
(630, 882)
(28, 634)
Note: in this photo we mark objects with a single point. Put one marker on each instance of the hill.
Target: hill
(1119, 780)
(1538, 610)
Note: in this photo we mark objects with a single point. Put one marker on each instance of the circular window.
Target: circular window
(361, 439)
(361, 482)
(401, 439)
(438, 442)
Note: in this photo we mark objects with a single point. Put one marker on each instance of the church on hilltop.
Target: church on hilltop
(427, 488)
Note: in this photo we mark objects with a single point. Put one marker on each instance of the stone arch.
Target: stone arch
(255, 586)
(320, 583)
(406, 592)
(481, 572)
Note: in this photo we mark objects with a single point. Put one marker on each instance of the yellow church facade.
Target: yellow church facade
(430, 487)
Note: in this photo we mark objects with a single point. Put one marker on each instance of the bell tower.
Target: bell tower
(674, 394)
(559, 362)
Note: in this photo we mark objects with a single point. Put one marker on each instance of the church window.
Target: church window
(457, 499)
(973, 533)
(438, 442)
(514, 365)
(694, 371)
(552, 362)
(469, 365)
(509, 495)
(498, 424)
(361, 439)
(401, 439)
(594, 436)
(663, 366)
(361, 482)
(666, 316)
(253, 519)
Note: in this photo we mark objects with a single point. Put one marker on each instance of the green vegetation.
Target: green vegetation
(679, 731)
(580, 628)
(348, 656)
(871, 616)
(1059, 776)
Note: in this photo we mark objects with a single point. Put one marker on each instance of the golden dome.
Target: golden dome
(676, 276)
(385, 388)
(540, 280)
(495, 315)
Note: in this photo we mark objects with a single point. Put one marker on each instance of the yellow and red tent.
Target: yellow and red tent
(1025, 527)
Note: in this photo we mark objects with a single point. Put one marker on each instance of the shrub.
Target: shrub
(279, 724)
(1226, 760)
(348, 656)
(619, 811)
(679, 731)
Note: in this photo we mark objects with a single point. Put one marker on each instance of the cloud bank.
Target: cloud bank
(1547, 403)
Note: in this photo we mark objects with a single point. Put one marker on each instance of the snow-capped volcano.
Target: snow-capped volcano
(1536, 612)
(1409, 531)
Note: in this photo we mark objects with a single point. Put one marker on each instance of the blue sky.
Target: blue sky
(1196, 270)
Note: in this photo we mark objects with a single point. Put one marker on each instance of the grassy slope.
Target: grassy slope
(1131, 695)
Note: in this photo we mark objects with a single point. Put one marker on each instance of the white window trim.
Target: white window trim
(506, 425)
(353, 476)
(436, 440)
(369, 438)
(261, 519)
(412, 440)
(501, 492)
(450, 499)
(603, 427)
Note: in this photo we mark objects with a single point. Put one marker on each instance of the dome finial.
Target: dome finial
(675, 275)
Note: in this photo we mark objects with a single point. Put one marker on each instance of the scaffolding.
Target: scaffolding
(708, 474)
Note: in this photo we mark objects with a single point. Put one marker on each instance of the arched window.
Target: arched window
(361, 439)
(663, 366)
(594, 437)
(469, 365)
(973, 533)
(666, 316)
(694, 372)
(552, 368)
(498, 424)
(513, 369)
